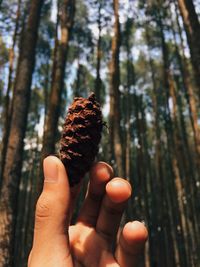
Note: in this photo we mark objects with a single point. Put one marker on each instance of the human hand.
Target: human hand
(88, 243)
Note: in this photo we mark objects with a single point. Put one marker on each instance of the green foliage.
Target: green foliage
(4, 53)
(84, 83)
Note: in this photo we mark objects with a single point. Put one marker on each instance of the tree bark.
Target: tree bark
(186, 161)
(163, 214)
(115, 132)
(189, 92)
(192, 29)
(67, 11)
(176, 187)
(98, 82)
(6, 109)
(14, 157)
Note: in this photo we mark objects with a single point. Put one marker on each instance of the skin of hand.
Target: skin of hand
(88, 243)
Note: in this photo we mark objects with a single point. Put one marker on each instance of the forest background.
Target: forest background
(142, 60)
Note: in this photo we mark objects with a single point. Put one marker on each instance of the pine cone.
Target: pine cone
(81, 136)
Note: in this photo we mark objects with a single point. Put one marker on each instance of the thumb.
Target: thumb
(52, 211)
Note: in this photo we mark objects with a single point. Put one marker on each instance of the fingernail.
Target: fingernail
(50, 170)
(143, 222)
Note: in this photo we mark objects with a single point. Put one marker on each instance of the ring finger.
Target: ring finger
(114, 202)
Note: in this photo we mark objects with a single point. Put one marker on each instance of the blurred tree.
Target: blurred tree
(115, 131)
(189, 90)
(80, 52)
(4, 58)
(192, 29)
(24, 226)
(66, 11)
(13, 163)
(176, 185)
(4, 53)
(98, 82)
(84, 81)
(33, 140)
(7, 105)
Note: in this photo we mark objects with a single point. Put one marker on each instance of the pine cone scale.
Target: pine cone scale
(81, 136)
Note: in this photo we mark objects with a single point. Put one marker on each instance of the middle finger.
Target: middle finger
(118, 192)
(100, 174)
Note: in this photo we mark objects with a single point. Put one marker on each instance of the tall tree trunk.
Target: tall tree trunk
(176, 184)
(14, 156)
(178, 142)
(98, 82)
(147, 188)
(130, 81)
(67, 11)
(188, 218)
(192, 29)
(162, 214)
(6, 109)
(76, 92)
(46, 88)
(115, 132)
(185, 155)
(189, 92)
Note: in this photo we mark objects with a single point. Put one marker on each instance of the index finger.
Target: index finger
(100, 174)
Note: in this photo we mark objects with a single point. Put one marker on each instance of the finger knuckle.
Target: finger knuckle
(43, 210)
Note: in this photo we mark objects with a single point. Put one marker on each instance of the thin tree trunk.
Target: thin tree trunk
(130, 80)
(185, 155)
(19, 231)
(76, 92)
(98, 82)
(128, 135)
(178, 182)
(46, 89)
(29, 222)
(27, 237)
(192, 29)
(147, 188)
(67, 9)
(159, 253)
(189, 92)
(176, 185)
(6, 109)
(115, 132)
(14, 157)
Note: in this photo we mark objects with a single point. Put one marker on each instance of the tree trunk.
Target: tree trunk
(76, 92)
(98, 82)
(14, 157)
(189, 92)
(185, 155)
(192, 29)
(176, 187)
(67, 9)
(6, 109)
(161, 208)
(128, 110)
(115, 132)
(148, 181)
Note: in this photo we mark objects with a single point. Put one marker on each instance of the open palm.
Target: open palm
(94, 241)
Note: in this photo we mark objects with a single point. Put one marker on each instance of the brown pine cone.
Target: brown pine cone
(80, 137)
